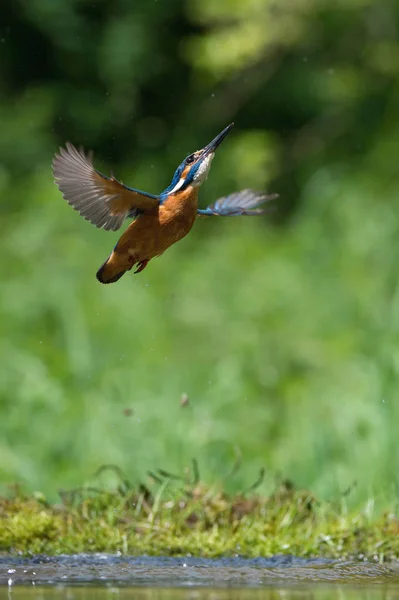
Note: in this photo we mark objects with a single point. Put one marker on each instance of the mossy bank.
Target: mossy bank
(195, 520)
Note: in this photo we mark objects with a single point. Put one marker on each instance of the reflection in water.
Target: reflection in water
(308, 592)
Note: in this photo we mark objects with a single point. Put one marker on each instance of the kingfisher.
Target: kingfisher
(158, 221)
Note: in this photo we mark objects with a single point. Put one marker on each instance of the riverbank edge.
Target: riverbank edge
(197, 521)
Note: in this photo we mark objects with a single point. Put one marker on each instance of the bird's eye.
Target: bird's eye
(190, 159)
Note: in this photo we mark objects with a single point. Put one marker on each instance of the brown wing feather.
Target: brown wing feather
(104, 201)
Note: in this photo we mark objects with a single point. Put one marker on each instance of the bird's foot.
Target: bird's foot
(141, 266)
(132, 262)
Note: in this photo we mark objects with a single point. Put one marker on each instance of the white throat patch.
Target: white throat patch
(203, 170)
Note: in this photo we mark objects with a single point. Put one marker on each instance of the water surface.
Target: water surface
(102, 576)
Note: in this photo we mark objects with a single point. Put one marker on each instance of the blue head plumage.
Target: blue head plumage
(195, 167)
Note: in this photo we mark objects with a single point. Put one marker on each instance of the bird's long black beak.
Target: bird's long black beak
(211, 147)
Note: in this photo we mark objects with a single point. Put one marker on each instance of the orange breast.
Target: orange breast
(151, 234)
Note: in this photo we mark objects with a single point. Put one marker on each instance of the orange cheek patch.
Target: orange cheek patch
(185, 171)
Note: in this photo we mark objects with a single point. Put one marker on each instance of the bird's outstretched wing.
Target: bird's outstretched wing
(242, 203)
(102, 200)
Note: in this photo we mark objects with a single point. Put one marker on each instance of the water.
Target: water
(102, 576)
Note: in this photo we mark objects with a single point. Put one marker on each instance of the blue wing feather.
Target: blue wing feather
(243, 203)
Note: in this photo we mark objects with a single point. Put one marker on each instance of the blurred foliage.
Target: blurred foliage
(284, 331)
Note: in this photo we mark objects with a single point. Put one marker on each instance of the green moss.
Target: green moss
(195, 520)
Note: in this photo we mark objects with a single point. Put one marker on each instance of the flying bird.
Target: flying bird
(159, 221)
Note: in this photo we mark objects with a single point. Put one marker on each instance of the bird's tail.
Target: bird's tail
(114, 268)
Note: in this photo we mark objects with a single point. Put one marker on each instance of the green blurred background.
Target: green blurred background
(282, 330)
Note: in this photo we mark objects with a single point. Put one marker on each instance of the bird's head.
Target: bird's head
(195, 167)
